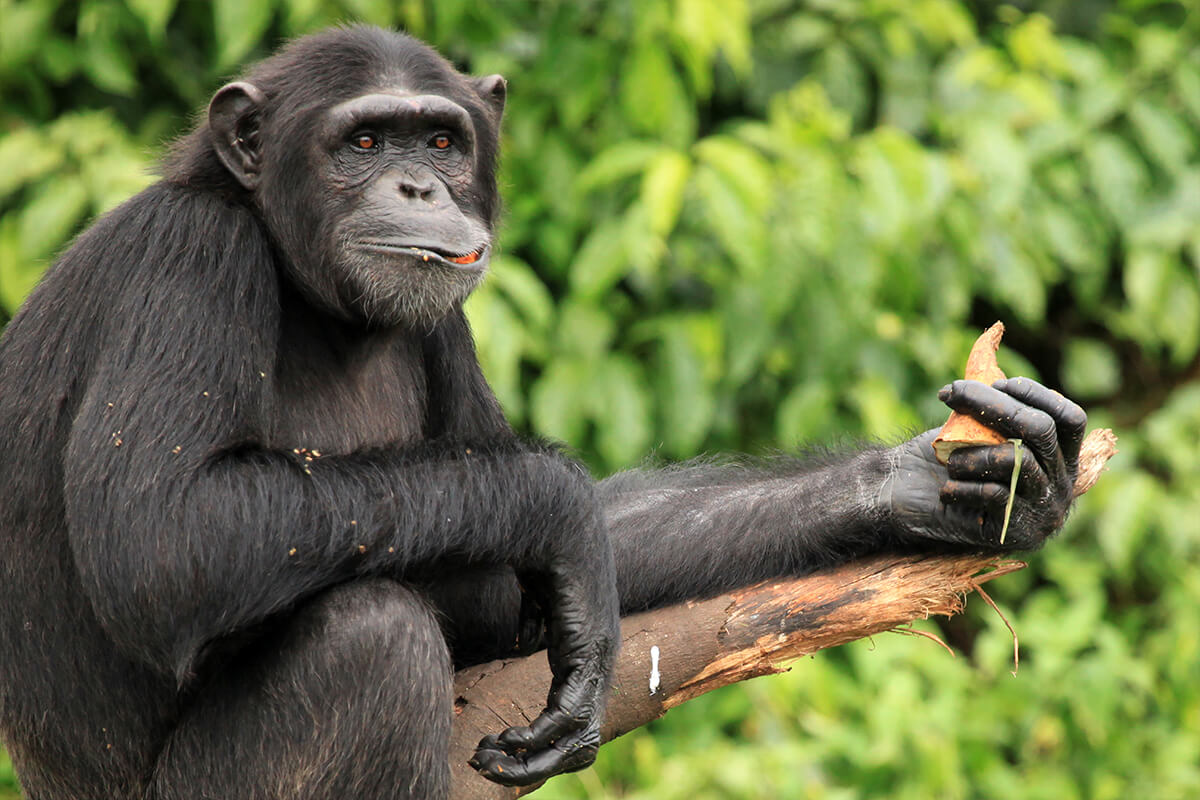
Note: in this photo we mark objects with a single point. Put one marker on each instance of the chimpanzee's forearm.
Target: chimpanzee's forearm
(695, 530)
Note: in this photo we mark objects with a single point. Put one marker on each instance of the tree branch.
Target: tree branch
(708, 644)
(671, 655)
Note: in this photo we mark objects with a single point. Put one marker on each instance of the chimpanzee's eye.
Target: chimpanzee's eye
(365, 140)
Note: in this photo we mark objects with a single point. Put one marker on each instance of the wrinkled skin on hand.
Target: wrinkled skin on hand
(963, 501)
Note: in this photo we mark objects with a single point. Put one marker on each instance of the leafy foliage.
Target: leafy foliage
(744, 224)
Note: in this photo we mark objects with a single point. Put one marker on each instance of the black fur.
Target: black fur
(253, 511)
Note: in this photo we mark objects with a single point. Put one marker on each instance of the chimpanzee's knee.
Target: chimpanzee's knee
(351, 698)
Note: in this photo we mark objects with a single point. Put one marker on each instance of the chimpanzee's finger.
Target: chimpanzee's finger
(521, 769)
(974, 494)
(995, 463)
(1070, 418)
(1009, 417)
(564, 737)
(575, 704)
(551, 724)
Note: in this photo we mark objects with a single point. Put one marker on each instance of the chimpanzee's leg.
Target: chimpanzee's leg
(350, 700)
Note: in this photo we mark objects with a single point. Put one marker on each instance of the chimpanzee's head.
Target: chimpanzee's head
(372, 161)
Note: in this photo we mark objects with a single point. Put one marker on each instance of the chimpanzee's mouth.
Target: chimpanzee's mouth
(428, 253)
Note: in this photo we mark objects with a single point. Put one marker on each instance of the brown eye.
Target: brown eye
(441, 142)
(365, 141)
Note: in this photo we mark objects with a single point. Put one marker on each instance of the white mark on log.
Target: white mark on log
(654, 676)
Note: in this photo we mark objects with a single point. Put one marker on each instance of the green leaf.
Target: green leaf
(749, 331)
(500, 343)
(59, 58)
(1128, 502)
(1066, 236)
(1145, 281)
(643, 248)
(22, 29)
(517, 281)
(25, 157)
(662, 190)
(584, 330)
(1187, 85)
(560, 399)
(843, 78)
(113, 177)
(600, 262)
(1034, 47)
(1162, 134)
(704, 27)
(884, 416)
(239, 26)
(1018, 454)
(1118, 175)
(653, 99)
(618, 162)
(684, 397)
(17, 275)
(376, 12)
(622, 411)
(1090, 369)
(1014, 277)
(646, 88)
(741, 232)
(109, 63)
(51, 216)
(1173, 219)
(1156, 46)
(1100, 98)
(153, 14)
(885, 208)
(800, 32)
(740, 166)
(1002, 161)
(1179, 324)
(805, 414)
(299, 15)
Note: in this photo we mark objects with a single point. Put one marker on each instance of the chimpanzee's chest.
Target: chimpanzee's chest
(334, 402)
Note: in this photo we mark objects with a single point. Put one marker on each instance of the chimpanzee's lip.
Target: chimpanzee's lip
(472, 259)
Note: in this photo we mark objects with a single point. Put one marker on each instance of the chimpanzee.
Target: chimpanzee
(259, 500)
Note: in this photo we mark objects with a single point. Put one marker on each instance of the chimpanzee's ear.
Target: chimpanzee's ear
(494, 90)
(233, 122)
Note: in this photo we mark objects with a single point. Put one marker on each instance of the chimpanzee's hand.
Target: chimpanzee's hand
(583, 628)
(963, 502)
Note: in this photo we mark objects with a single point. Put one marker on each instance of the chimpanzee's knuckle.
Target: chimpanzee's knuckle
(1073, 417)
(993, 494)
(1035, 426)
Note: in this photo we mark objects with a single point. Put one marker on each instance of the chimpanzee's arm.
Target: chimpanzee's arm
(695, 530)
(186, 527)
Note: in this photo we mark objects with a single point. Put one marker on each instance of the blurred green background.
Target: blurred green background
(745, 224)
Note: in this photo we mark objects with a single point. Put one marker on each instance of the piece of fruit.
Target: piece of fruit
(961, 430)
